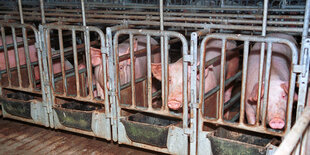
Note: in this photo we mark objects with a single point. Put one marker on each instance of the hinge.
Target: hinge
(299, 68)
(188, 58)
(104, 50)
(194, 105)
(188, 131)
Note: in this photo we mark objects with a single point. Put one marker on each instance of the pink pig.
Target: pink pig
(278, 89)
(211, 75)
(124, 66)
(22, 58)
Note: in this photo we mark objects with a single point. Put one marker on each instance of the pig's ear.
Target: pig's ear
(284, 85)
(156, 70)
(95, 56)
(209, 68)
(254, 93)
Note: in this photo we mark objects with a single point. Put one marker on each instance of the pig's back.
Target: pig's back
(213, 49)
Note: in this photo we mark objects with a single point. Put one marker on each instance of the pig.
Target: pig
(22, 58)
(124, 66)
(279, 82)
(211, 75)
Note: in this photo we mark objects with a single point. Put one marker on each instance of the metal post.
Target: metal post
(42, 11)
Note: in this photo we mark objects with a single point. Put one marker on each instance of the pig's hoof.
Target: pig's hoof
(276, 123)
(174, 105)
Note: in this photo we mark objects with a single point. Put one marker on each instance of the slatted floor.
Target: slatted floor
(23, 138)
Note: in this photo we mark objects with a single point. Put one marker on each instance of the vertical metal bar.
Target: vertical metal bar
(185, 103)
(42, 11)
(62, 60)
(266, 84)
(30, 76)
(88, 62)
(163, 91)
(20, 11)
(244, 79)
(49, 58)
(83, 13)
(6, 56)
(305, 29)
(132, 71)
(166, 75)
(161, 14)
(193, 73)
(222, 80)
(16, 57)
(265, 14)
(75, 59)
(260, 81)
(149, 74)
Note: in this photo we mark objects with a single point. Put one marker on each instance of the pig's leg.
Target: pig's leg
(250, 113)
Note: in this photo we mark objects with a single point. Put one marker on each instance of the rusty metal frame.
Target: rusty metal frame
(241, 125)
(90, 97)
(164, 109)
(39, 110)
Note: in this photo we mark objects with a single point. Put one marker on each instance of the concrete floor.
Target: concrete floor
(24, 138)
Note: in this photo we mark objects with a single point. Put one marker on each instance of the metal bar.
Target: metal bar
(62, 60)
(83, 13)
(88, 63)
(6, 55)
(166, 70)
(292, 138)
(266, 84)
(260, 80)
(75, 59)
(132, 70)
(149, 74)
(305, 30)
(265, 14)
(49, 57)
(244, 79)
(222, 79)
(42, 11)
(161, 12)
(30, 76)
(20, 11)
(16, 57)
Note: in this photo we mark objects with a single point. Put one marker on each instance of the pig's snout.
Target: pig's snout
(277, 123)
(174, 104)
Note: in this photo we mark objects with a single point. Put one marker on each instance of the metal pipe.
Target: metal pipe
(244, 79)
(266, 84)
(75, 60)
(166, 71)
(6, 55)
(42, 11)
(132, 70)
(149, 74)
(62, 60)
(305, 30)
(30, 76)
(83, 13)
(222, 79)
(16, 57)
(161, 12)
(292, 138)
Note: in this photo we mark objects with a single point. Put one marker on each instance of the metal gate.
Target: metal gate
(139, 122)
(22, 96)
(218, 118)
(76, 107)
